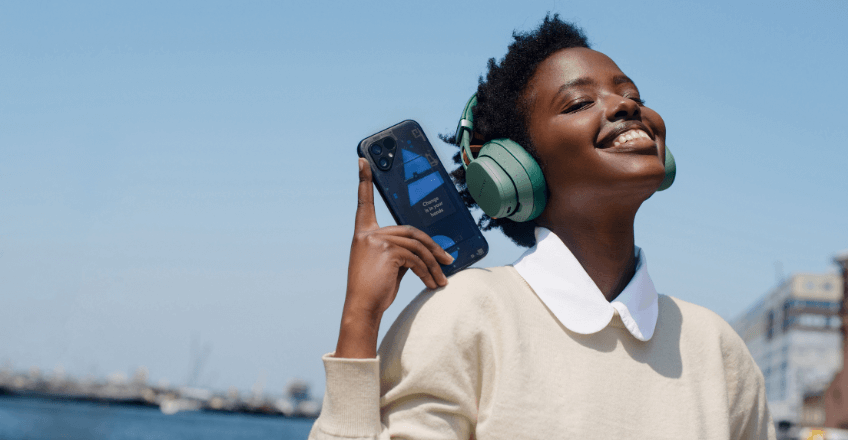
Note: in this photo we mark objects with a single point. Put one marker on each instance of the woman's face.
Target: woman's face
(595, 138)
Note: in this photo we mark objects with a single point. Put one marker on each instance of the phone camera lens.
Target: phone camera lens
(376, 149)
(389, 143)
(383, 162)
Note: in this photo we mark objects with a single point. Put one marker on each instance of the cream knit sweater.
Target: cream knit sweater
(483, 358)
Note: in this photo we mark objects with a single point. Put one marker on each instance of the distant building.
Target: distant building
(793, 333)
(836, 396)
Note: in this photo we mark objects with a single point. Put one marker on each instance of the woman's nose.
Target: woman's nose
(622, 108)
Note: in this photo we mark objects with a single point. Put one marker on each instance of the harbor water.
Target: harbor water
(30, 418)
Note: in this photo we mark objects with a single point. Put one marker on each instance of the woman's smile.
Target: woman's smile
(629, 137)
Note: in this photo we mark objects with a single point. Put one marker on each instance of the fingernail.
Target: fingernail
(449, 256)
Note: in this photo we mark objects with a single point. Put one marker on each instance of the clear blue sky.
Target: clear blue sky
(171, 170)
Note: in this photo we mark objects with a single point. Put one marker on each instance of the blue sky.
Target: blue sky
(171, 171)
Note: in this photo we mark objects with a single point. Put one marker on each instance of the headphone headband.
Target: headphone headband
(465, 131)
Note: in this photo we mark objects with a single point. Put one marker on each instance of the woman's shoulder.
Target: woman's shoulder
(472, 296)
(699, 322)
(478, 280)
(692, 311)
(451, 319)
(474, 289)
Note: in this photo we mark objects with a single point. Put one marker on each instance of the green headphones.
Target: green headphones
(505, 180)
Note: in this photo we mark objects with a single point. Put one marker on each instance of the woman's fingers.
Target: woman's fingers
(366, 218)
(419, 235)
(410, 247)
(407, 258)
(425, 254)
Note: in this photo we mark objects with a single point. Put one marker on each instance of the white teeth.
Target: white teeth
(629, 136)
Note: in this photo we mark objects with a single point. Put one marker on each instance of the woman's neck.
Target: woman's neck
(603, 246)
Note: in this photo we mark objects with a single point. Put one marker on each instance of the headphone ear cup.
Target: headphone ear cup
(670, 170)
(508, 182)
(491, 187)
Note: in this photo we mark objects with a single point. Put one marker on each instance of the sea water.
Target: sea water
(27, 418)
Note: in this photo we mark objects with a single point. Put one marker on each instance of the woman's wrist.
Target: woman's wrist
(358, 335)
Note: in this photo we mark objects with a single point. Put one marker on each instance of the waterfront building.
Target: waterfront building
(793, 333)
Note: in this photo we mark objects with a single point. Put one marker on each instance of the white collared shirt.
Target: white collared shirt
(563, 285)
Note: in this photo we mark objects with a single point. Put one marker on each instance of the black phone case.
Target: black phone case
(419, 192)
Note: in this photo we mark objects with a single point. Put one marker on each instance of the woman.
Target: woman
(572, 340)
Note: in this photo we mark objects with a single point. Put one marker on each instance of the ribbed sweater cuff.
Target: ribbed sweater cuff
(352, 401)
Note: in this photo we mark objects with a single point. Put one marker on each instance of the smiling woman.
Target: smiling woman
(572, 340)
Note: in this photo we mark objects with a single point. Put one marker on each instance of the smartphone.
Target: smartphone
(419, 192)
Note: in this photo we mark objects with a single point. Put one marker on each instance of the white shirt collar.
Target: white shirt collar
(563, 285)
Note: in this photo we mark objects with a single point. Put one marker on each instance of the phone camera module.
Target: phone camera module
(381, 153)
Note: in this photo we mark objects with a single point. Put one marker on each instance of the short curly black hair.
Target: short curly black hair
(501, 110)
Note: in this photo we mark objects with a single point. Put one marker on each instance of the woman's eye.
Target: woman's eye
(638, 100)
(577, 106)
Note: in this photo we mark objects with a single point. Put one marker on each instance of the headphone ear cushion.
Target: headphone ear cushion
(538, 188)
(507, 164)
(527, 176)
(670, 170)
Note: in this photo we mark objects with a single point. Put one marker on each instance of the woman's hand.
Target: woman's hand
(379, 258)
